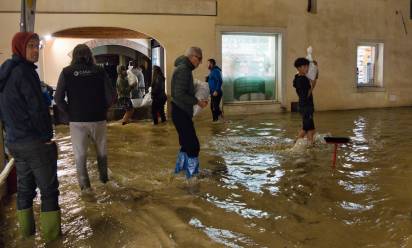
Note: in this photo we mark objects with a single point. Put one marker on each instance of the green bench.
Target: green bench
(248, 85)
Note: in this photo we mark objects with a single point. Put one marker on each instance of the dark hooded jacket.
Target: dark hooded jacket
(23, 109)
(158, 88)
(183, 89)
(88, 90)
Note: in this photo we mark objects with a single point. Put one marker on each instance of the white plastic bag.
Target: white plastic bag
(302, 144)
(147, 99)
(202, 92)
(131, 78)
(320, 137)
(137, 102)
(309, 52)
(313, 69)
(143, 102)
(299, 146)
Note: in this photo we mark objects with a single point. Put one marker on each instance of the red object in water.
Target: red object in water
(12, 182)
(336, 141)
(335, 151)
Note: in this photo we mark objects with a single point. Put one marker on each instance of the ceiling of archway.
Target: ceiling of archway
(100, 33)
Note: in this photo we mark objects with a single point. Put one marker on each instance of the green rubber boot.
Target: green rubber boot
(25, 218)
(50, 223)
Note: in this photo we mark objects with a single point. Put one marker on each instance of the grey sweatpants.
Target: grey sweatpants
(81, 133)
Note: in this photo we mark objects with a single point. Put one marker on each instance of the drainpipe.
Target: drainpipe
(27, 18)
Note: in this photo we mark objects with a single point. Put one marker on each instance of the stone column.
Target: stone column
(28, 10)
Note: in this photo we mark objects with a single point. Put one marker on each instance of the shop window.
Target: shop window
(250, 66)
(156, 59)
(369, 65)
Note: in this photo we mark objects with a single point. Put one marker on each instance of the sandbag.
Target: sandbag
(131, 78)
(147, 99)
(202, 92)
(143, 102)
(136, 102)
(313, 69)
(302, 144)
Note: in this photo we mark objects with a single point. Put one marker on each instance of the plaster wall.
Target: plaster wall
(334, 33)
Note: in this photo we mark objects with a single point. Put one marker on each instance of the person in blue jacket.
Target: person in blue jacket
(215, 85)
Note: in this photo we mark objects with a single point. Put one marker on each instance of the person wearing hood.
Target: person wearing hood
(215, 85)
(89, 94)
(29, 134)
(183, 100)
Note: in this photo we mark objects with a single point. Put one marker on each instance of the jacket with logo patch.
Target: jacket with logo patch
(88, 92)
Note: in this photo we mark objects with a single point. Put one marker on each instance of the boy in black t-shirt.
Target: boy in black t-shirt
(304, 88)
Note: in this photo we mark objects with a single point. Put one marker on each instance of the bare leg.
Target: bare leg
(127, 116)
(301, 135)
(311, 134)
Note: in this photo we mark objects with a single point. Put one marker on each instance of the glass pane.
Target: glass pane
(249, 66)
(156, 56)
(366, 57)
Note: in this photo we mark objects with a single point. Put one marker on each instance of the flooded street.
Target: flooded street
(252, 191)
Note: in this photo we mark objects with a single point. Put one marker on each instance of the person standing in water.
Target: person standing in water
(158, 95)
(89, 95)
(183, 100)
(123, 93)
(304, 89)
(29, 133)
(215, 85)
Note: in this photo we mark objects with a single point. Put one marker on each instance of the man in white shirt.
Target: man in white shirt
(138, 72)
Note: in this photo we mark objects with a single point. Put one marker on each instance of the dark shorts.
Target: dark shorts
(307, 118)
(125, 103)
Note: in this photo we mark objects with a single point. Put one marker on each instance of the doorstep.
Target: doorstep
(251, 108)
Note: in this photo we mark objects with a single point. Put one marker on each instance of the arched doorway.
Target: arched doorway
(96, 37)
(111, 46)
(109, 53)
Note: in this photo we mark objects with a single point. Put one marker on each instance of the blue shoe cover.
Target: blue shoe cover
(192, 167)
(181, 162)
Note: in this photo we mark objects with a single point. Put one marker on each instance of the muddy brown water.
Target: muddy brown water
(252, 192)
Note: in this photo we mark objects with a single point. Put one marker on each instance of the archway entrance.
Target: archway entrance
(112, 41)
(111, 47)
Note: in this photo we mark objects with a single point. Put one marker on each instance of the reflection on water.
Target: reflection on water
(238, 207)
(252, 192)
(225, 237)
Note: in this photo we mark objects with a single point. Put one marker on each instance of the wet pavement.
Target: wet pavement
(253, 191)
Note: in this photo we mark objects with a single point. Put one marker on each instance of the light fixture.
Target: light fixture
(47, 37)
